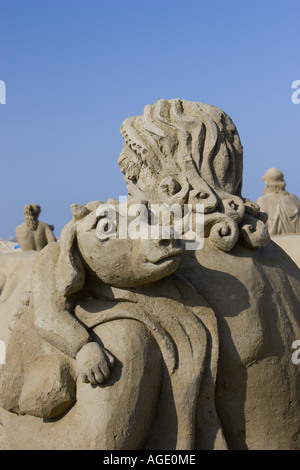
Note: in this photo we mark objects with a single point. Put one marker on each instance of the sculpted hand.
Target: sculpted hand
(93, 363)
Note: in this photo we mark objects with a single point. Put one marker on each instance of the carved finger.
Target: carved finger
(98, 375)
(91, 378)
(110, 358)
(104, 369)
(83, 377)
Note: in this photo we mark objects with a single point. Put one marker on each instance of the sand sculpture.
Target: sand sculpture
(145, 344)
(282, 207)
(181, 151)
(121, 353)
(34, 234)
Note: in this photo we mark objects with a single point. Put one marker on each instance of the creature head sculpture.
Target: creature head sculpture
(185, 152)
(87, 248)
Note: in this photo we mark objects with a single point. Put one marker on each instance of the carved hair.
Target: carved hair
(31, 213)
(194, 154)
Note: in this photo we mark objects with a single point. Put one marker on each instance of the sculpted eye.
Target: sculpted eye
(106, 229)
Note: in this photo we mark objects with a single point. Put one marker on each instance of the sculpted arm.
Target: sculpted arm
(49, 234)
(56, 324)
(52, 319)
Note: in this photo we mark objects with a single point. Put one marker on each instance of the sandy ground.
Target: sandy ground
(8, 246)
(3, 440)
(290, 244)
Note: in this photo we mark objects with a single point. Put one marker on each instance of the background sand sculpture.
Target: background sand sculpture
(34, 234)
(282, 207)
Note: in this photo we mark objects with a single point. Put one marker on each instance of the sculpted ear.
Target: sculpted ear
(69, 271)
(78, 211)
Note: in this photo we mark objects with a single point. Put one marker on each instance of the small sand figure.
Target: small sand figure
(33, 234)
(282, 207)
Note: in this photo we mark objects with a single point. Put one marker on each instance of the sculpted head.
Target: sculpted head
(31, 213)
(186, 152)
(91, 247)
(274, 181)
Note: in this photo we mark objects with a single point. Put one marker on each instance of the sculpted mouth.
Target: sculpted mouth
(170, 257)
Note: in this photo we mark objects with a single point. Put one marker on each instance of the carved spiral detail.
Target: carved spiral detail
(222, 231)
(253, 232)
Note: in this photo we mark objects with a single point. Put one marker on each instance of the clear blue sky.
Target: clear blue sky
(75, 69)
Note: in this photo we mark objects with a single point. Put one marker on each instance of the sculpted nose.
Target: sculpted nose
(164, 242)
(168, 240)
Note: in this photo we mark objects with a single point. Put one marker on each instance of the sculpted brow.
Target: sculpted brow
(91, 224)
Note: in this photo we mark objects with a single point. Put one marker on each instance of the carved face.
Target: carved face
(124, 262)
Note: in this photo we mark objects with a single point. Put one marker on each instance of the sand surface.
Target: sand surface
(290, 244)
(8, 246)
(15, 269)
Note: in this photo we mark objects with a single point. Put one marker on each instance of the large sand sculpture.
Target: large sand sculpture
(145, 343)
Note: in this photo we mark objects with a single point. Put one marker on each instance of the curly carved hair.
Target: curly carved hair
(181, 151)
(31, 213)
